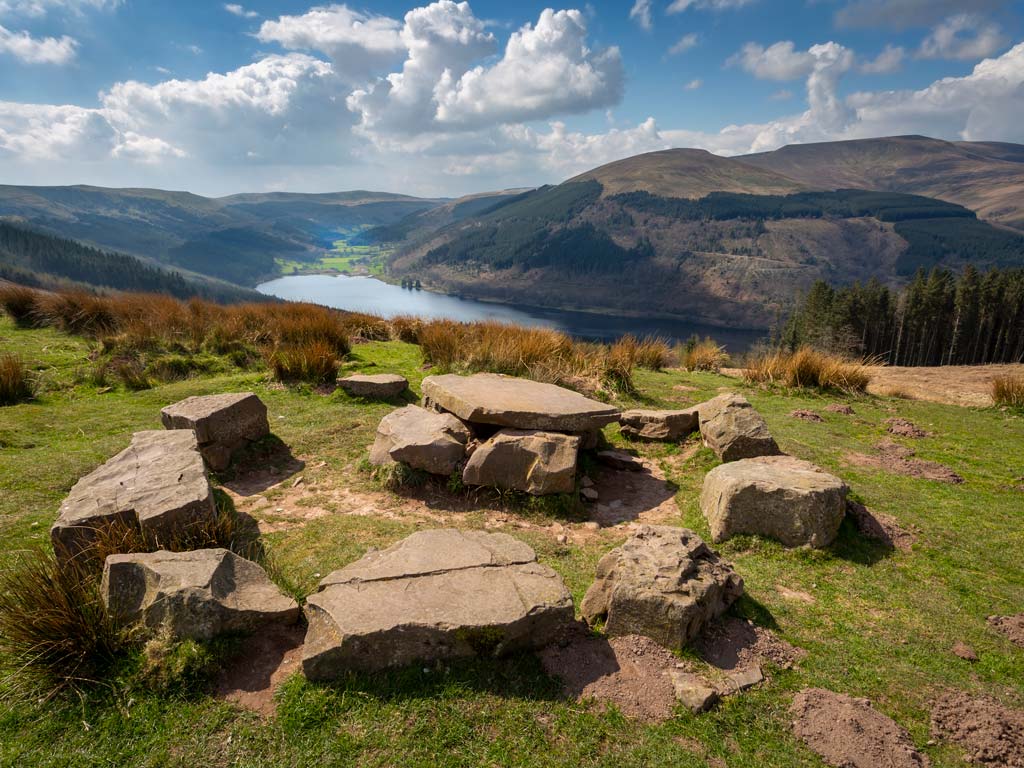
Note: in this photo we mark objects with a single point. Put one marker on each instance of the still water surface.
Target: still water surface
(365, 294)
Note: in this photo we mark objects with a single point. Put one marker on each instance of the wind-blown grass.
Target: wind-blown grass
(1008, 390)
(15, 380)
(808, 368)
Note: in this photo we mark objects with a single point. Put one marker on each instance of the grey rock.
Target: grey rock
(590, 494)
(525, 460)
(157, 485)
(197, 595)
(222, 423)
(780, 497)
(693, 691)
(506, 401)
(619, 460)
(659, 425)
(734, 430)
(434, 596)
(423, 439)
(379, 386)
(664, 583)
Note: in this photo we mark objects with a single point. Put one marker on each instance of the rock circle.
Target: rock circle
(378, 386)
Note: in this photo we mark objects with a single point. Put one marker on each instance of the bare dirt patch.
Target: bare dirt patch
(735, 643)
(645, 497)
(264, 661)
(990, 733)
(848, 733)
(880, 527)
(900, 460)
(805, 415)
(968, 385)
(629, 672)
(904, 428)
(841, 408)
(963, 651)
(796, 595)
(1010, 626)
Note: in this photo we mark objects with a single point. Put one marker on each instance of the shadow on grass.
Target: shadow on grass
(747, 607)
(853, 545)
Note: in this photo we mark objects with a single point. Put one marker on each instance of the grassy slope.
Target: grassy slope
(882, 624)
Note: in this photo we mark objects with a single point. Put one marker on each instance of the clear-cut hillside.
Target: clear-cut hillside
(986, 177)
(688, 173)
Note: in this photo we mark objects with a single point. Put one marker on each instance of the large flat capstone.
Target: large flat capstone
(158, 484)
(732, 428)
(381, 386)
(663, 582)
(198, 594)
(506, 401)
(438, 594)
(780, 497)
(423, 439)
(525, 460)
(222, 423)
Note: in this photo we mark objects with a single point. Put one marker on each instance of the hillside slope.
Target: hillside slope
(986, 177)
(235, 238)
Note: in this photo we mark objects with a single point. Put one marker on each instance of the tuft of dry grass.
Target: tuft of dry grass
(19, 302)
(1008, 390)
(653, 353)
(706, 355)
(538, 353)
(808, 368)
(315, 362)
(406, 328)
(16, 382)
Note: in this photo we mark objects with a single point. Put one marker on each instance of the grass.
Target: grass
(15, 380)
(703, 355)
(881, 624)
(1008, 390)
(808, 368)
(344, 258)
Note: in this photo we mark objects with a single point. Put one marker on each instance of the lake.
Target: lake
(366, 294)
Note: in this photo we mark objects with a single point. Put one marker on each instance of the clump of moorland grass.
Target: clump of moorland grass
(1008, 390)
(653, 353)
(702, 355)
(140, 334)
(19, 302)
(807, 368)
(538, 353)
(16, 383)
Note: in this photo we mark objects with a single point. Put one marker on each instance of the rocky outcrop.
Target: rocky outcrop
(664, 583)
(378, 386)
(223, 423)
(157, 485)
(427, 440)
(525, 460)
(780, 497)
(436, 595)
(668, 426)
(506, 401)
(197, 595)
(732, 428)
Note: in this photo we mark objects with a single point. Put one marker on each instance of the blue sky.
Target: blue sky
(450, 98)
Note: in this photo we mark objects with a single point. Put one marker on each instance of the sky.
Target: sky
(447, 98)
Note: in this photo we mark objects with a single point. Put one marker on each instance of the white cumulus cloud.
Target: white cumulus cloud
(683, 44)
(678, 6)
(238, 10)
(964, 36)
(888, 61)
(779, 61)
(37, 50)
(641, 14)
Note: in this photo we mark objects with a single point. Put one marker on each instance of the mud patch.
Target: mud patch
(990, 733)
(842, 408)
(900, 460)
(880, 527)
(963, 651)
(625, 496)
(735, 643)
(630, 672)
(848, 733)
(903, 428)
(804, 415)
(264, 661)
(1010, 626)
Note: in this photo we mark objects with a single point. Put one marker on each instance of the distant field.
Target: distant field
(344, 258)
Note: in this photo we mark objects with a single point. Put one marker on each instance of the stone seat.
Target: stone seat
(222, 423)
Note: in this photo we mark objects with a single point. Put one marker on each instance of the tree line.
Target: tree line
(940, 318)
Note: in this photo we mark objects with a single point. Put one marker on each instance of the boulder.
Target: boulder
(775, 496)
(658, 425)
(434, 596)
(157, 485)
(222, 423)
(619, 460)
(525, 460)
(506, 401)
(427, 440)
(664, 583)
(379, 386)
(734, 430)
(197, 595)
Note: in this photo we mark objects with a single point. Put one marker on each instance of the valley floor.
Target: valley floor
(873, 621)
